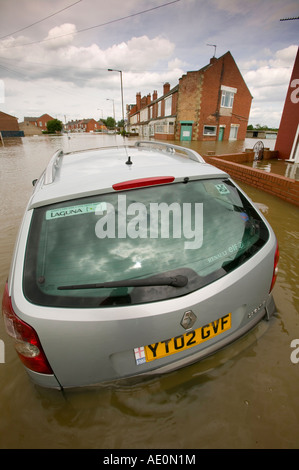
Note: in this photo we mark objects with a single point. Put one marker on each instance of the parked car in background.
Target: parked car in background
(134, 261)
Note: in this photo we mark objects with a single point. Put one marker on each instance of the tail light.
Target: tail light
(275, 269)
(27, 343)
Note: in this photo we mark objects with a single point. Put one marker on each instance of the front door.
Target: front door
(221, 132)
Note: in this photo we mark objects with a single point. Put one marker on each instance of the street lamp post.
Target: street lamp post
(110, 99)
(122, 92)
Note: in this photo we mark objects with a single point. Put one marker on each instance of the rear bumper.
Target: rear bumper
(44, 380)
(266, 313)
(50, 381)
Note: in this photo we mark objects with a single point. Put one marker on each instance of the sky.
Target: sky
(55, 55)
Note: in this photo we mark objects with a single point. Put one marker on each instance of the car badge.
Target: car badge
(188, 320)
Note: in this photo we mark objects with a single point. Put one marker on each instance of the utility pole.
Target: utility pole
(122, 91)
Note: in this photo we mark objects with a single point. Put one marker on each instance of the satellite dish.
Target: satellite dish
(258, 149)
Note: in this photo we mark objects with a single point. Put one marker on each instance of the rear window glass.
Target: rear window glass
(148, 244)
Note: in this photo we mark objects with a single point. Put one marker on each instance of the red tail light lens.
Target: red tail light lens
(27, 343)
(275, 269)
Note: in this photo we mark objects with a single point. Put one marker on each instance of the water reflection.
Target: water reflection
(278, 167)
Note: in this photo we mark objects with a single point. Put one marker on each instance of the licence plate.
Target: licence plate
(179, 343)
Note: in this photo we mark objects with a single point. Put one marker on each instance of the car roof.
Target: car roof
(88, 172)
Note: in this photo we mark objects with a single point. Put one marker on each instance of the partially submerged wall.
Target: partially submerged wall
(280, 186)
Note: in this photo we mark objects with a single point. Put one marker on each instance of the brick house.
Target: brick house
(155, 117)
(287, 142)
(212, 103)
(39, 122)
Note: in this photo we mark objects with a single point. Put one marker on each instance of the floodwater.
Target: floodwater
(278, 167)
(245, 396)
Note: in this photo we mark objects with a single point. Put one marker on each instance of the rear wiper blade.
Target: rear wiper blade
(175, 281)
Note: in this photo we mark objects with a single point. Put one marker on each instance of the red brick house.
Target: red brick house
(287, 142)
(9, 126)
(85, 125)
(212, 103)
(40, 122)
(8, 122)
(153, 116)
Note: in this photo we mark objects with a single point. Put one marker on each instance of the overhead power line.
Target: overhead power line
(40, 21)
(99, 25)
(288, 19)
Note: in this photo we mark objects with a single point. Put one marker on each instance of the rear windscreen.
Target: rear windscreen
(139, 246)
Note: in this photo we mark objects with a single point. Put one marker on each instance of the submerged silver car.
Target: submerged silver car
(133, 261)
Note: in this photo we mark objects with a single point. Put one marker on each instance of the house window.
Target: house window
(159, 108)
(209, 130)
(227, 99)
(227, 96)
(233, 132)
(144, 114)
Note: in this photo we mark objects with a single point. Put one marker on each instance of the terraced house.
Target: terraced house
(85, 125)
(212, 103)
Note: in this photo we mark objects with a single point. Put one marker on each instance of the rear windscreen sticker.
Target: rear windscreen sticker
(74, 210)
(222, 188)
(244, 216)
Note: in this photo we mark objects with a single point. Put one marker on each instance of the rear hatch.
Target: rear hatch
(108, 279)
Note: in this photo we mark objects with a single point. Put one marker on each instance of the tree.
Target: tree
(54, 126)
(109, 122)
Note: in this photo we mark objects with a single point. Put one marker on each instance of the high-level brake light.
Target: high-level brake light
(142, 182)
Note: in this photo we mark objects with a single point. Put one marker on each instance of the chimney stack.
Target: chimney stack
(166, 88)
(138, 100)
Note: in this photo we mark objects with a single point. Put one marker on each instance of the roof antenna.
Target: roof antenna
(128, 162)
(215, 46)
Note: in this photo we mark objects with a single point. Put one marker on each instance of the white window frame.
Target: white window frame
(233, 132)
(227, 96)
(168, 105)
(209, 133)
(159, 108)
(144, 115)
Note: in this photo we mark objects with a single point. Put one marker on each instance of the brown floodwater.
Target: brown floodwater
(245, 396)
(278, 167)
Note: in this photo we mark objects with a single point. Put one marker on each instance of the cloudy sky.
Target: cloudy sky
(55, 55)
